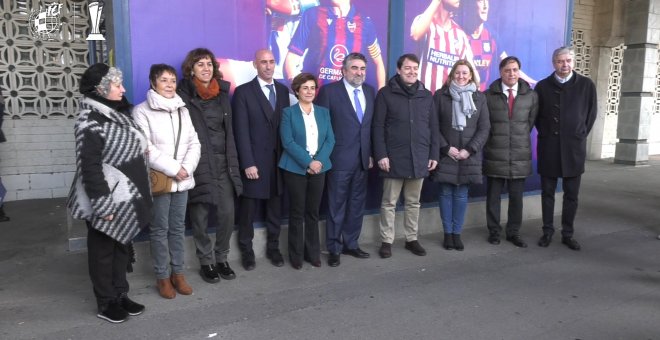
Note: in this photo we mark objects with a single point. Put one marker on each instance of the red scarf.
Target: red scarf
(212, 91)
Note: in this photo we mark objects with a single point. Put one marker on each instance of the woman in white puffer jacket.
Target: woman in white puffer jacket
(161, 116)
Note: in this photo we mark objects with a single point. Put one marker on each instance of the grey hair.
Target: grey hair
(114, 75)
(563, 50)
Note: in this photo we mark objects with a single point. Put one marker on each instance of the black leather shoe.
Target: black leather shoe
(517, 241)
(209, 274)
(296, 264)
(247, 260)
(357, 252)
(494, 239)
(570, 242)
(333, 260)
(385, 250)
(275, 257)
(545, 240)
(415, 248)
(225, 271)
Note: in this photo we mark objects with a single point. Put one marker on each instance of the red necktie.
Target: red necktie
(510, 103)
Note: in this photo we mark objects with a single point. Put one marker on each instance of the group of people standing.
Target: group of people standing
(257, 144)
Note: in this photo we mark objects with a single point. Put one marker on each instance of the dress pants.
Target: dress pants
(515, 187)
(571, 187)
(347, 195)
(305, 192)
(412, 189)
(108, 261)
(247, 208)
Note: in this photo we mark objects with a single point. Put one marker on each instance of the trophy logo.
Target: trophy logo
(45, 23)
(95, 11)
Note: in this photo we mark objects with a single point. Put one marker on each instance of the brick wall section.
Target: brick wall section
(38, 159)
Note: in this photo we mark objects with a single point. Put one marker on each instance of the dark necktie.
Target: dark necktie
(271, 95)
(510, 103)
(358, 106)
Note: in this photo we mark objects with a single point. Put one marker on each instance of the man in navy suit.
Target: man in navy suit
(257, 107)
(351, 104)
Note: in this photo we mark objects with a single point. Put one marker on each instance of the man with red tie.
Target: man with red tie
(513, 106)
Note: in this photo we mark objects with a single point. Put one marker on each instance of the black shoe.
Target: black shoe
(415, 248)
(357, 252)
(385, 250)
(247, 259)
(296, 264)
(448, 242)
(209, 274)
(133, 308)
(494, 238)
(225, 271)
(545, 240)
(333, 260)
(113, 312)
(275, 257)
(517, 241)
(458, 244)
(570, 242)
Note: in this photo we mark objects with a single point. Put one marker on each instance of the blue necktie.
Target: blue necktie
(358, 106)
(271, 95)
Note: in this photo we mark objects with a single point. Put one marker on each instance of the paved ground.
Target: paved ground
(609, 290)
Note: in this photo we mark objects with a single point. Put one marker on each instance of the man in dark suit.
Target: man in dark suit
(257, 107)
(351, 105)
(567, 112)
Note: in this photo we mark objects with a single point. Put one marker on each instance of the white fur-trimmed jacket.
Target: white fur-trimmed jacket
(111, 172)
(159, 119)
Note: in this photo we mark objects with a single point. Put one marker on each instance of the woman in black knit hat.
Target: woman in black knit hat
(111, 189)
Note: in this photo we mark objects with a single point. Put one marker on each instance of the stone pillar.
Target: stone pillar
(600, 71)
(642, 34)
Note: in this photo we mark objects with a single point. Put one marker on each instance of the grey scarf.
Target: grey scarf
(462, 104)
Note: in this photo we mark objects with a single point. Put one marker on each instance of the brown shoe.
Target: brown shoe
(165, 288)
(180, 284)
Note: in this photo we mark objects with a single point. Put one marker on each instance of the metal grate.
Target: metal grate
(39, 72)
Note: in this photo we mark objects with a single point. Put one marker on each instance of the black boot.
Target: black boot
(458, 244)
(448, 242)
(3, 217)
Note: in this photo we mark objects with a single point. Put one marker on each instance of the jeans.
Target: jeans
(453, 204)
(167, 233)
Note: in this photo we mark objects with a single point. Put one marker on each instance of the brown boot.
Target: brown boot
(165, 288)
(180, 284)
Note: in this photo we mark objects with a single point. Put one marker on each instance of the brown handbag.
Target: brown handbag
(160, 182)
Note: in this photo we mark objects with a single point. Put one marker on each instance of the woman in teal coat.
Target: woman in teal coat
(307, 140)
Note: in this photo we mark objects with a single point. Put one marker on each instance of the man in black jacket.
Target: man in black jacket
(567, 112)
(508, 153)
(257, 107)
(406, 144)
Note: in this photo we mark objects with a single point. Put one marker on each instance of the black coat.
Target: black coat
(472, 138)
(567, 113)
(405, 130)
(207, 172)
(256, 128)
(508, 152)
(2, 116)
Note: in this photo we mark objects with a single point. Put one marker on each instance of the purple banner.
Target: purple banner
(304, 35)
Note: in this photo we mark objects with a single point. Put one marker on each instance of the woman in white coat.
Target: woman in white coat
(173, 150)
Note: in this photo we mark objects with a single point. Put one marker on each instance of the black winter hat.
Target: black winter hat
(92, 77)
